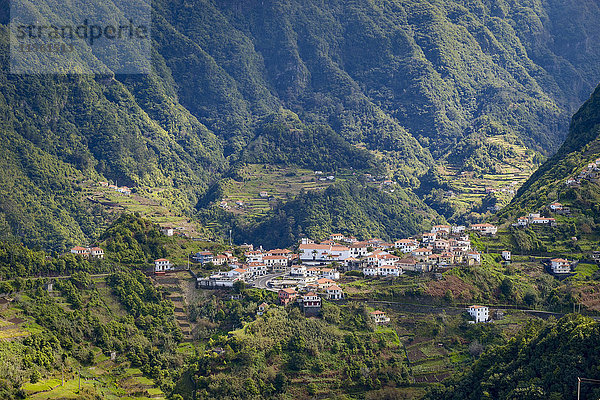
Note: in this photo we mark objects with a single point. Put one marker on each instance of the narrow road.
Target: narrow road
(261, 283)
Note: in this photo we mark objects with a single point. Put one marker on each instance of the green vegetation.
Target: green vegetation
(542, 362)
(398, 86)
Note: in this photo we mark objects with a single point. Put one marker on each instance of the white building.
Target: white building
(330, 273)
(315, 254)
(334, 293)
(276, 263)
(298, 270)
(560, 266)
(441, 229)
(379, 317)
(556, 207)
(485, 229)
(167, 231)
(506, 255)
(162, 265)
(406, 245)
(479, 313)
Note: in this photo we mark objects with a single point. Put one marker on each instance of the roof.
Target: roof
(475, 306)
(274, 258)
(486, 225)
(313, 246)
(96, 249)
(325, 280)
(376, 312)
(310, 294)
(559, 260)
(160, 259)
(78, 248)
(288, 290)
(334, 287)
(240, 270)
(263, 305)
(422, 249)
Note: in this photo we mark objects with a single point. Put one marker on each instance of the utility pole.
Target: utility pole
(586, 380)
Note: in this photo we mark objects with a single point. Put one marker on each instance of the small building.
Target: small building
(475, 256)
(203, 257)
(287, 296)
(560, 266)
(162, 265)
(311, 300)
(334, 293)
(485, 229)
(379, 317)
(264, 194)
(506, 255)
(96, 252)
(479, 313)
(82, 251)
(167, 230)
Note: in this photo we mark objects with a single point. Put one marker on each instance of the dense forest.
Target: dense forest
(412, 82)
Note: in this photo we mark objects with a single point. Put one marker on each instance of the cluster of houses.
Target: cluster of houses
(535, 219)
(121, 189)
(444, 246)
(591, 173)
(258, 263)
(94, 252)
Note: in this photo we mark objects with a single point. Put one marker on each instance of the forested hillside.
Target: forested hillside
(413, 82)
(541, 362)
(549, 182)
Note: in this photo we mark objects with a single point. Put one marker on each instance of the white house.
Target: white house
(257, 269)
(276, 263)
(162, 265)
(166, 230)
(219, 259)
(479, 313)
(441, 229)
(336, 236)
(330, 273)
(389, 270)
(379, 317)
(429, 237)
(314, 254)
(475, 256)
(560, 266)
(422, 253)
(543, 221)
(506, 255)
(406, 245)
(485, 229)
(237, 273)
(298, 270)
(334, 293)
(253, 256)
(82, 251)
(311, 300)
(522, 221)
(458, 229)
(359, 249)
(370, 270)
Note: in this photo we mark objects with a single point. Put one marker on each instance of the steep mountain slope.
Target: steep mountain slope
(548, 183)
(414, 82)
(540, 363)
